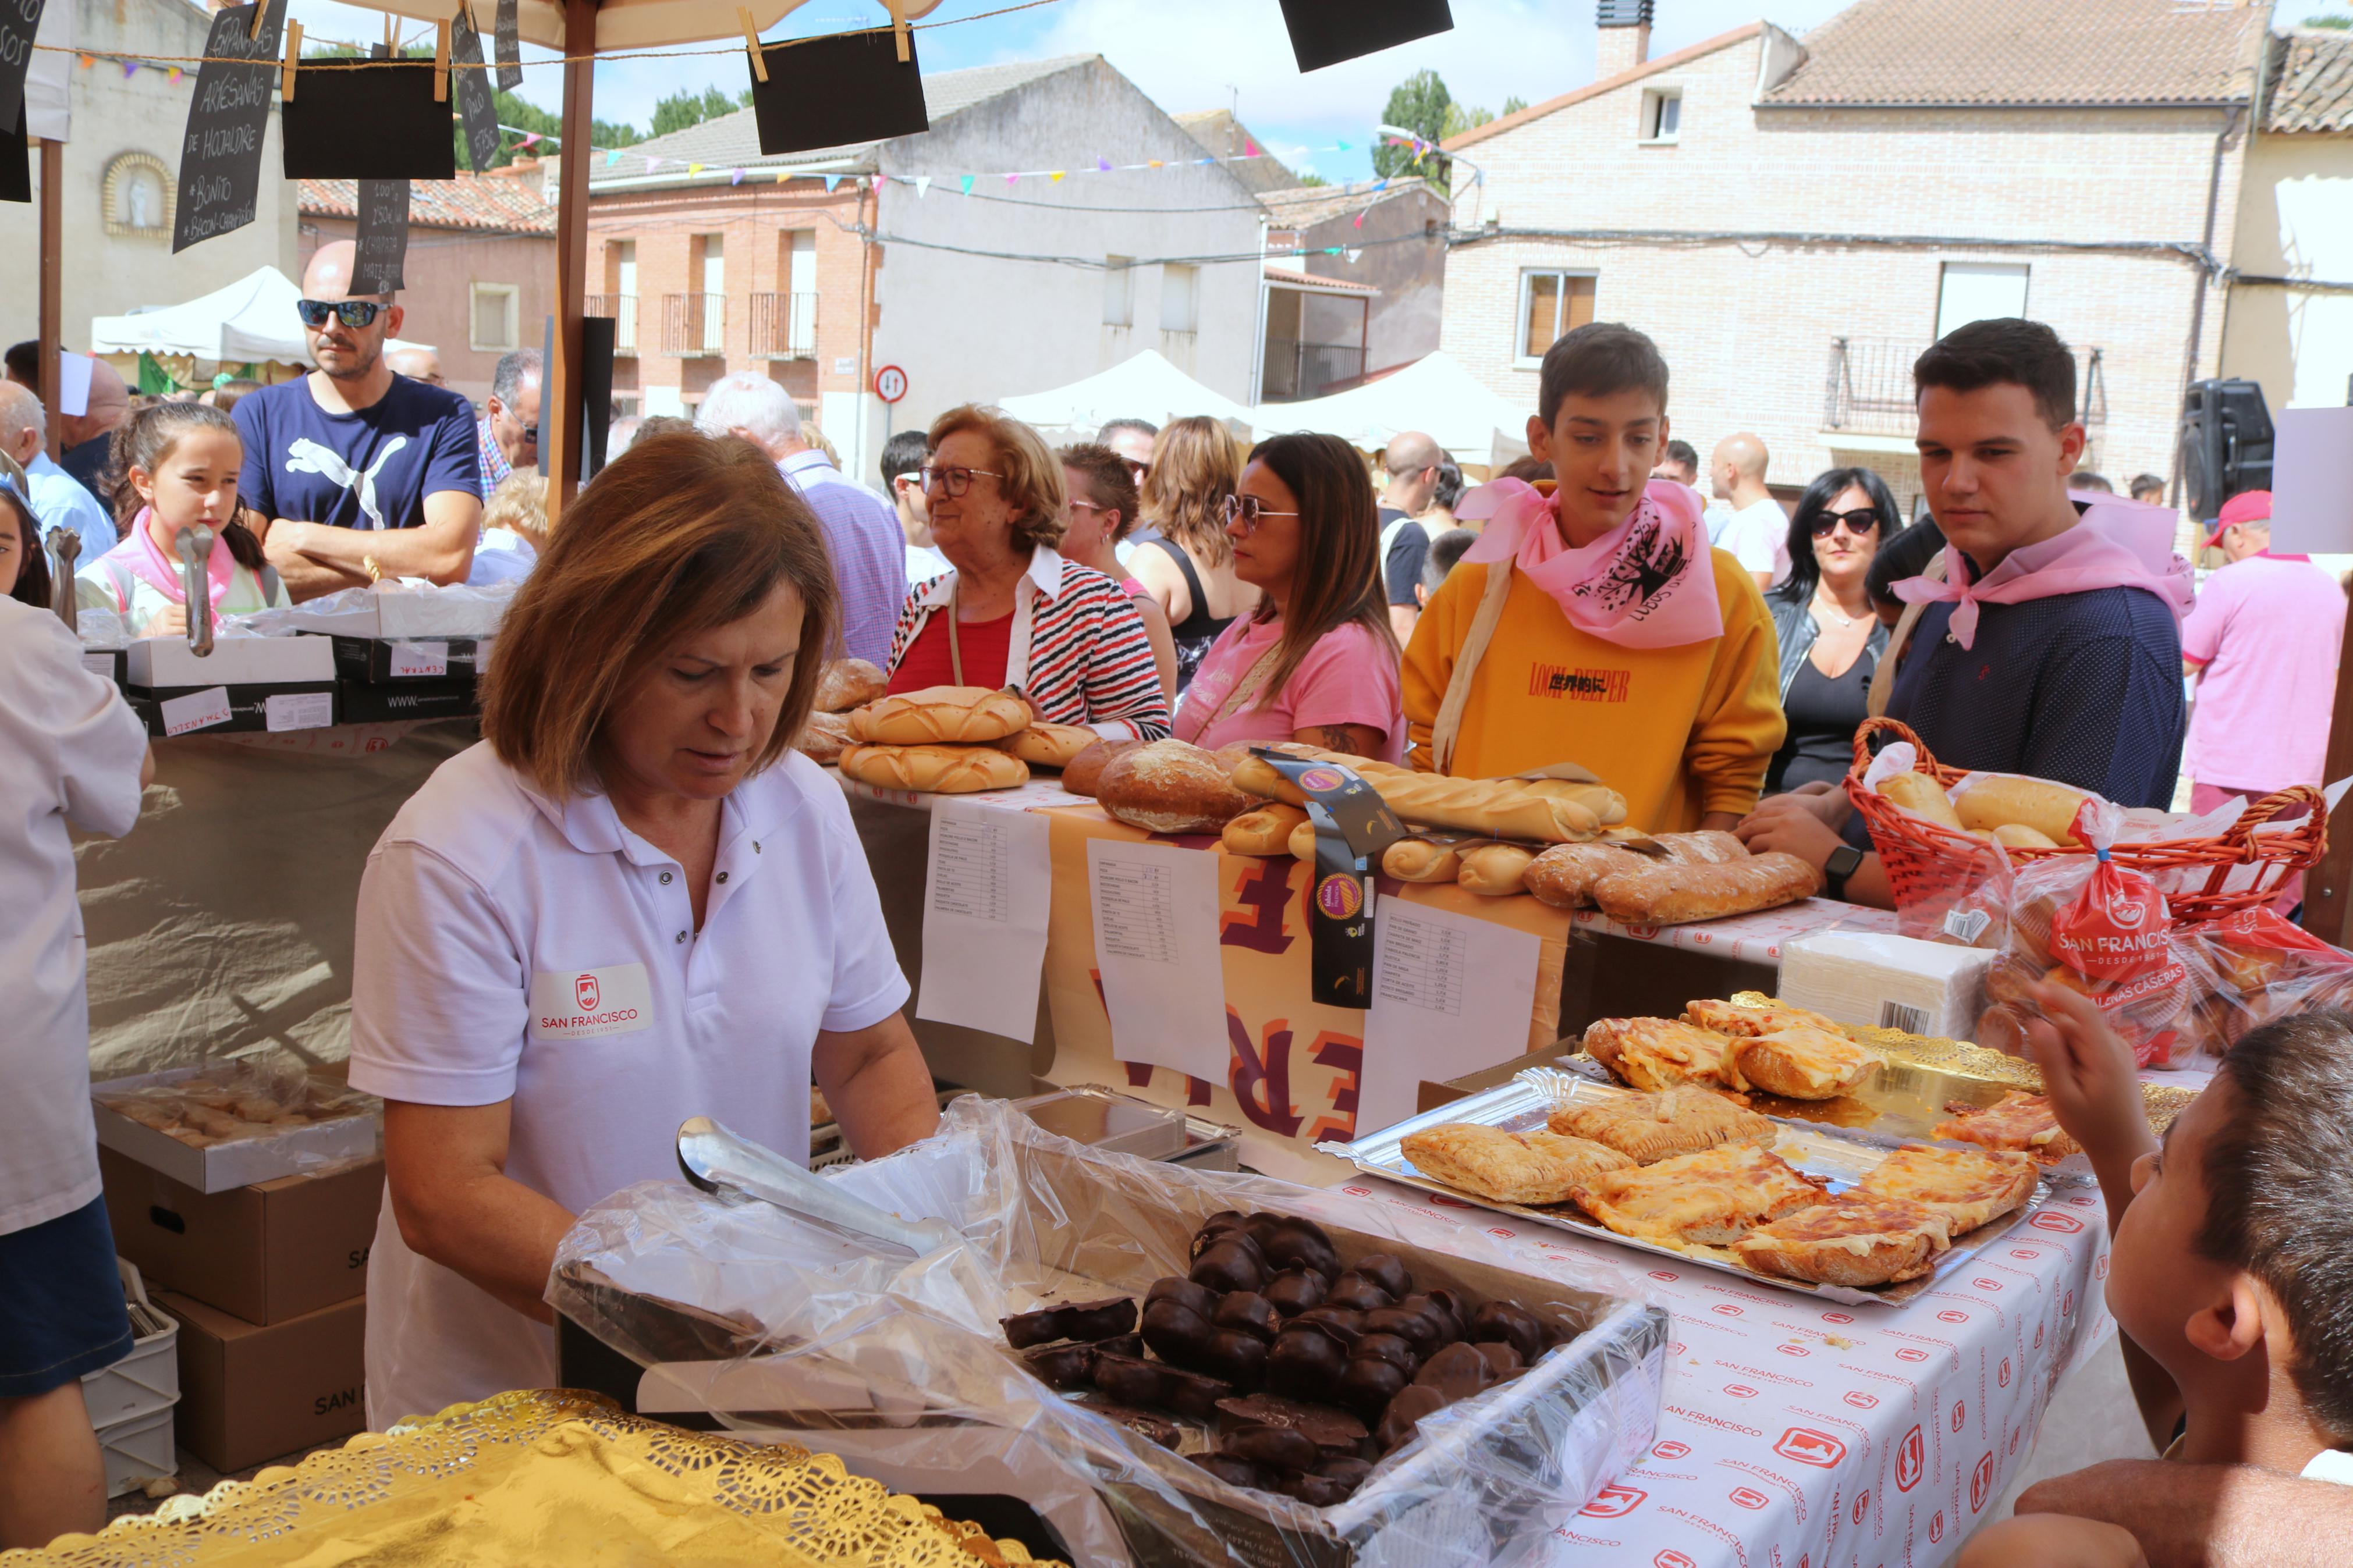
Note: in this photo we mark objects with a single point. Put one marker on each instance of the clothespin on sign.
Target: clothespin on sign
(442, 61)
(751, 42)
(293, 53)
(260, 12)
(899, 27)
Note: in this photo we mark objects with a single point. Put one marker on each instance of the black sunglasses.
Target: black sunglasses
(1861, 519)
(353, 313)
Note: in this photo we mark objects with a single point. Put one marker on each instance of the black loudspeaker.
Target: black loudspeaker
(2226, 444)
(596, 392)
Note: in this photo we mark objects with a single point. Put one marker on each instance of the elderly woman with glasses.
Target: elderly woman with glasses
(1831, 638)
(1012, 612)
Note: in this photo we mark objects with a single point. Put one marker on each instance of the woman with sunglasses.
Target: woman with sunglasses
(1315, 661)
(1831, 637)
(1011, 611)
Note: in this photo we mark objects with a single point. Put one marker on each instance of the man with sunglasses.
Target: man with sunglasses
(507, 434)
(353, 463)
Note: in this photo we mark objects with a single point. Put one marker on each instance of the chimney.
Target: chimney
(1625, 40)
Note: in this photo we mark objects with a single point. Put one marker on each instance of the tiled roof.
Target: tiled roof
(1593, 89)
(732, 141)
(1304, 206)
(2312, 83)
(1990, 53)
(495, 203)
(1292, 277)
(1222, 136)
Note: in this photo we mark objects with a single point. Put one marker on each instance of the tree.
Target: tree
(1310, 177)
(522, 114)
(1458, 120)
(1418, 104)
(1513, 104)
(685, 108)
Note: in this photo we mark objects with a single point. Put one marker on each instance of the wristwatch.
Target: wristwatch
(1839, 867)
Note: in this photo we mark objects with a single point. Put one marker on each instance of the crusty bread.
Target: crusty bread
(1544, 811)
(1264, 832)
(1921, 796)
(1302, 840)
(935, 770)
(1084, 772)
(1494, 870)
(1563, 874)
(824, 736)
(1676, 895)
(1170, 787)
(957, 714)
(2046, 808)
(846, 683)
(1046, 744)
(1420, 860)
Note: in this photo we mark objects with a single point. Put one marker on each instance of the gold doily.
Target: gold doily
(534, 1476)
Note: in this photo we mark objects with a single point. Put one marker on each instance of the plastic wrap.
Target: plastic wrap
(395, 607)
(899, 1363)
(240, 1102)
(2257, 967)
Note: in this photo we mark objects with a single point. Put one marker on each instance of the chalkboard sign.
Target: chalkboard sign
(378, 123)
(1325, 32)
(383, 241)
(840, 88)
(476, 108)
(16, 164)
(20, 21)
(509, 46)
(228, 113)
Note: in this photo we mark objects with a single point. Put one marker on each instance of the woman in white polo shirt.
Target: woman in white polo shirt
(632, 903)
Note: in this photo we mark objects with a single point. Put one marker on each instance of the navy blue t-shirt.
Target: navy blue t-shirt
(369, 470)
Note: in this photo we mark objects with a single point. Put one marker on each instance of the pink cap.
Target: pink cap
(2247, 506)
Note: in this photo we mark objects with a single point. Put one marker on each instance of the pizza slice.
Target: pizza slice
(1652, 1054)
(1710, 1198)
(1853, 1240)
(1509, 1167)
(1652, 1127)
(1968, 1187)
(1801, 1062)
(2018, 1121)
(1735, 1019)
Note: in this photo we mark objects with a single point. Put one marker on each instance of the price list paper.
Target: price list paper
(1156, 950)
(985, 906)
(220, 156)
(1452, 994)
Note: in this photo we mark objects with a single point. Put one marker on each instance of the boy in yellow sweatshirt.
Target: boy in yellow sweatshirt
(1593, 622)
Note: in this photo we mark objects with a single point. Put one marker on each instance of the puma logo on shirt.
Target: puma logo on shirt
(304, 455)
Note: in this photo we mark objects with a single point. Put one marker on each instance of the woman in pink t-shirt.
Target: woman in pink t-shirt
(1316, 662)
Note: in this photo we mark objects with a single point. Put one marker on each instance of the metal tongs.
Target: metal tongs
(64, 545)
(718, 1161)
(195, 548)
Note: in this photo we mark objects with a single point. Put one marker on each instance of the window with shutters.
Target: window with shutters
(1552, 301)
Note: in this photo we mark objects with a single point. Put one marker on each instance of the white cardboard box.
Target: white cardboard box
(1884, 981)
(225, 1166)
(166, 662)
(416, 612)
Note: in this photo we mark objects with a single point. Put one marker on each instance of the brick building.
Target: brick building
(1794, 220)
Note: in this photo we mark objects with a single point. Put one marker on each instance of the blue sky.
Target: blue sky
(1191, 53)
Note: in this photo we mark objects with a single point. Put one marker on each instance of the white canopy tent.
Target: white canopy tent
(1145, 385)
(251, 318)
(1434, 395)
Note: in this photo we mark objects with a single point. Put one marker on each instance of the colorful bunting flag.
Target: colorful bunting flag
(1102, 165)
(1354, 253)
(612, 158)
(531, 139)
(830, 182)
(1250, 148)
(1057, 178)
(922, 187)
(130, 69)
(878, 185)
(693, 169)
(966, 182)
(1011, 179)
(735, 178)
(1360, 223)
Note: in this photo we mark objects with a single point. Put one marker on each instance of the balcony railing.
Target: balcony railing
(1295, 369)
(1868, 392)
(784, 326)
(695, 325)
(623, 309)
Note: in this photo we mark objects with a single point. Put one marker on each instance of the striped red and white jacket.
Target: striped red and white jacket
(1079, 647)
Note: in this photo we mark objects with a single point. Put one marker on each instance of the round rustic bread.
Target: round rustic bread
(1082, 772)
(959, 714)
(845, 683)
(1170, 787)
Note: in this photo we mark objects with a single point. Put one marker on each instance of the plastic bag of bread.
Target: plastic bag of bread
(1171, 786)
(2256, 967)
(847, 683)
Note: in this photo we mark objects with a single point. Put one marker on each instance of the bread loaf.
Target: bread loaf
(2046, 808)
(1170, 786)
(935, 770)
(1547, 811)
(1264, 832)
(1420, 860)
(845, 683)
(1494, 870)
(1082, 772)
(960, 715)
(1563, 874)
(823, 737)
(1302, 840)
(1677, 895)
(1045, 744)
(1921, 796)
(2017, 835)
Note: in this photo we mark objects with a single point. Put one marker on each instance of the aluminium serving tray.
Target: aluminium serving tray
(1522, 1106)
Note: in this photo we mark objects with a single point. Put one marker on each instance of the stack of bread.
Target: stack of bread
(842, 685)
(942, 740)
(2016, 812)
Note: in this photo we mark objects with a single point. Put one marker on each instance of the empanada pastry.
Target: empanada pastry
(1509, 1167)
(2018, 1121)
(1712, 1198)
(1969, 1188)
(1652, 1054)
(1801, 1062)
(1647, 1128)
(1855, 1241)
(1731, 1018)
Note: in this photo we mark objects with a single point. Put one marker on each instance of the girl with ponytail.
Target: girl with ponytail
(175, 466)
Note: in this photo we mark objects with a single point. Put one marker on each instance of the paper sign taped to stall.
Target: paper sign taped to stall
(1158, 957)
(196, 710)
(2312, 472)
(986, 899)
(73, 382)
(283, 710)
(1452, 994)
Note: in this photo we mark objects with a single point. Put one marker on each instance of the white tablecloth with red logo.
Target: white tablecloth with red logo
(1805, 1434)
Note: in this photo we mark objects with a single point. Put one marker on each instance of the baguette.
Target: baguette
(1045, 744)
(1420, 860)
(1082, 772)
(938, 713)
(1302, 840)
(1677, 895)
(1170, 787)
(1547, 811)
(1563, 875)
(823, 737)
(1921, 796)
(935, 770)
(847, 683)
(1264, 832)
(2048, 808)
(1494, 870)
(2017, 835)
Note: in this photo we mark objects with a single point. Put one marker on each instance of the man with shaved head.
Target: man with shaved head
(1757, 531)
(56, 499)
(355, 463)
(1411, 465)
(88, 435)
(418, 363)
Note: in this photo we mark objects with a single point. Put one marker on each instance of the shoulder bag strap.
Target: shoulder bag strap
(1246, 688)
(1882, 690)
(1449, 723)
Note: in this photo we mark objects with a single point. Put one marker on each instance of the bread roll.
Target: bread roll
(1677, 895)
(1420, 860)
(2048, 808)
(935, 770)
(845, 683)
(1547, 811)
(1264, 832)
(960, 715)
(1045, 744)
(1082, 772)
(1921, 796)
(1563, 875)
(1302, 840)
(1494, 870)
(1170, 787)
(2017, 835)
(823, 737)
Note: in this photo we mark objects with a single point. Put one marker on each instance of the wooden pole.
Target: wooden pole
(53, 303)
(559, 413)
(2328, 887)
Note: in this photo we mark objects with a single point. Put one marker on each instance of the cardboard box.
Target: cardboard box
(243, 708)
(237, 1163)
(159, 662)
(250, 1394)
(366, 702)
(111, 662)
(376, 660)
(268, 1253)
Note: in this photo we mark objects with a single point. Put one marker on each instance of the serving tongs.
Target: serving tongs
(195, 548)
(718, 1161)
(64, 545)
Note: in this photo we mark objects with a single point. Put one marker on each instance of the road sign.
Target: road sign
(890, 383)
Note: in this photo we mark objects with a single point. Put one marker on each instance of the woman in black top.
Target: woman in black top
(1831, 638)
(1189, 570)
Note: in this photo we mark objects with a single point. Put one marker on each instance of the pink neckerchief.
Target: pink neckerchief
(147, 562)
(2115, 545)
(1648, 582)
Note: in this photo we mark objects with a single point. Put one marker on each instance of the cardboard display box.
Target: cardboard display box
(250, 1394)
(379, 660)
(267, 1253)
(239, 1162)
(366, 702)
(240, 708)
(167, 661)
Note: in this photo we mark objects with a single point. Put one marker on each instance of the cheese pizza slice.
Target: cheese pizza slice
(1853, 1240)
(1652, 1054)
(1968, 1187)
(1802, 1062)
(1710, 1198)
(1509, 1167)
(2018, 1121)
(1653, 1127)
(1732, 1018)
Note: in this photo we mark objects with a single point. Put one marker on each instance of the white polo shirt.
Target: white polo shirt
(509, 946)
(69, 751)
